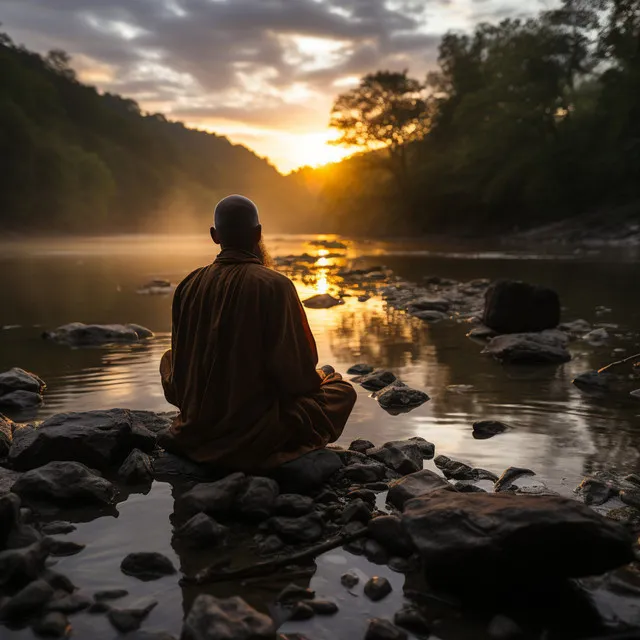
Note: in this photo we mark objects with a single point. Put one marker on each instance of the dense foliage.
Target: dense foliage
(72, 159)
(527, 122)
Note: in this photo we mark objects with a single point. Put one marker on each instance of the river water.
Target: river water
(557, 431)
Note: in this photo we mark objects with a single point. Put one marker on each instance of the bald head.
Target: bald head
(236, 223)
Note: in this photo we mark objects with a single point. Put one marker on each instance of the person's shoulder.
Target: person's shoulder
(192, 276)
(269, 279)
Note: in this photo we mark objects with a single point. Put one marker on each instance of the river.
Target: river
(560, 433)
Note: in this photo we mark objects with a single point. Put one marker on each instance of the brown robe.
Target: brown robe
(242, 369)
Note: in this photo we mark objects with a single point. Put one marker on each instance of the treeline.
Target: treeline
(525, 122)
(75, 160)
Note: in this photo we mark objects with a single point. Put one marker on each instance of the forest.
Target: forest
(73, 160)
(524, 123)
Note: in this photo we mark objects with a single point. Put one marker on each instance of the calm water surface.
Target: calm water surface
(557, 431)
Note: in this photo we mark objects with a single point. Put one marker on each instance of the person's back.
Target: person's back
(242, 368)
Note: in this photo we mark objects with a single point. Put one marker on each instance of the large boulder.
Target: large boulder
(545, 347)
(78, 334)
(213, 498)
(307, 473)
(255, 501)
(65, 483)
(403, 457)
(414, 485)
(466, 539)
(212, 618)
(99, 439)
(518, 307)
(20, 389)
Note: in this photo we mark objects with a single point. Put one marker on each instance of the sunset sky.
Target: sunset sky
(262, 72)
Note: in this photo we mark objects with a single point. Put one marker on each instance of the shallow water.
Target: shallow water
(558, 432)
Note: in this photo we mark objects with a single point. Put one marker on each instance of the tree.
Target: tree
(385, 113)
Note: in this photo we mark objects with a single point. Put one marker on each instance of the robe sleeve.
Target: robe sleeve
(293, 355)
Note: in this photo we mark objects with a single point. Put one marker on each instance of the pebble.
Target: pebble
(380, 629)
(294, 593)
(349, 580)
(301, 611)
(323, 607)
(125, 620)
(147, 565)
(375, 552)
(356, 511)
(53, 625)
(410, 618)
(110, 594)
(366, 495)
(63, 548)
(377, 588)
(71, 603)
(57, 527)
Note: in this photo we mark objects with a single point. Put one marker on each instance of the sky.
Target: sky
(264, 73)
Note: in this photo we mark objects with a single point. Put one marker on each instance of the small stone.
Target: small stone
(595, 492)
(349, 580)
(410, 618)
(271, 544)
(485, 429)
(509, 475)
(61, 548)
(377, 588)
(301, 611)
(255, 501)
(70, 603)
(137, 469)
(58, 581)
(53, 625)
(375, 552)
(294, 593)
(380, 629)
(201, 531)
(356, 511)
(147, 565)
(307, 528)
(361, 446)
(291, 504)
(359, 370)
(633, 478)
(322, 301)
(414, 485)
(322, 607)
(57, 527)
(631, 498)
(110, 594)
(212, 498)
(366, 495)
(326, 497)
(125, 620)
(28, 602)
(360, 472)
(356, 547)
(401, 565)
(376, 380)
(503, 628)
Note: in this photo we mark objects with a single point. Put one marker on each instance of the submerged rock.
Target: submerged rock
(575, 327)
(597, 337)
(57, 527)
(137, 469)
(349, 580)
(377, 588)
(130, 619)
(256, 499)
(485, 429)
(359, 370)
(307, 528)
(595, 492)
(28, 602)
(399, 397)
(468, 539)
(62, 548)
(509, 475)
(52, 625)
(376, 380)
(414, 485)
(454, 470)
(213, 498)
(322, 301)
(147, 565)
(307, 473)
(380, 629)
(78, 334)
(546, 347)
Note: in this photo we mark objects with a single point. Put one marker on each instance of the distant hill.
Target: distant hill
(75, 160)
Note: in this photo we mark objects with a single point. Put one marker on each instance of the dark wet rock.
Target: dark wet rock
(349, 580)
(359, 370)
(6, 435)
(61, 548)
(212, 617)
(380, 629)
(9, 516)
(322, 301)
(100, 606)
(631, 498)
(414, 485)
(429, 316)
(307, 528)
(147, 565)
(137, 469)
(28, 602)
(326, 497)
(465, 487)
(171, 468)
(58, 581)
(377, 588)
(597, 337)
(17, 379)
(213, 497)
(8, 478)
(23, 535)
(301, 611)
(509, 475)
(201, 531)
(53, 625)
(361, 446)
(388, 531)
(454, 470)
(271, 544)
(78, 334)
(294, 593)
(595, 492)
(308, 473)
(356, 511)
(20, 400)
(404, 459)
(130, 619)
(349, 457)
(57, 527)
(149, 635)
(481, 333)
(428, 304)
(355, 547)
(402, 565)
(110, 594)
(502, 537)
(485, 429)
(427, 449)
(70, 603)
(256, 498)
(575, 327)
(360, 472)
(546, 347)
(375, 552)
(292, 505)
(322, 607)
(366, 495)
(503, 628)
(376, 380)
(98, 439)
(65, 483)
(519, 307)
(595, 383)
(411, 619)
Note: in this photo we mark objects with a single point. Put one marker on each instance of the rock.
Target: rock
(575, 327)
(9, 516)
(147, 565)
(307, 473)
(509, 475)
(454, 470)
(19, 567)
(125, 620)
(322, 607)
(110, 594)
(410, 618)
(377, 588)
(99, 439)
(322, 301)
(27, 602)
(502, 538)
(17, 379)
(6, 435)
(485, 429)
(597, 337)
(256, 498)
(635, 394)
(168, 467)
(292, 505)
(503, 628)
(53, 625)
(294, 593)
(78, 334)
(365, 472)
(376, 380)
(271, 544)
(427, 449)
(157, 288)
(23, 536)
(388, 531)
(467, 488)
(547, 347)
(137, 469)
(213, 498)
(429, 316)
(366, 495)
(57, 527)
(359, 370)
(201, 531)
(62, 548)
(307, 528)
(403, 459)
(595, 492)
(481, 333)
(356, 511)
(326, 497)
(327, 244)
(414, 485)
(58, 581)
(20, 400)
(375, 552)
(349, 580)
(64, 483)
(631, 498)
(361, 446)
(428, 304)
(380, 629)
(519, 307)
(228, 618)
(399, 397)
(633, 478)
(70, 603)
(301, 611)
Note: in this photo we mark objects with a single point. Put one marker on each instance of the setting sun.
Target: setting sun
(312, 150)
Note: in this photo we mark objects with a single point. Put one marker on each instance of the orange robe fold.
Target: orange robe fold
(242, 369)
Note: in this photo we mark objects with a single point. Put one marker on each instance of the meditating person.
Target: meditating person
(242, 363)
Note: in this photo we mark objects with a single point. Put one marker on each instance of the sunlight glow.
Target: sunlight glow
(117, 28)
(309, 53)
